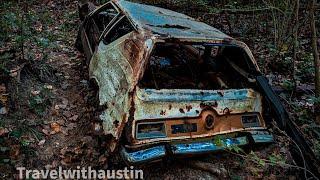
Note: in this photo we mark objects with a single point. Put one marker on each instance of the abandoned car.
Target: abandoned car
(170, 85)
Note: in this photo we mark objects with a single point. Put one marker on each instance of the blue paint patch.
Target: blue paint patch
(144, 155)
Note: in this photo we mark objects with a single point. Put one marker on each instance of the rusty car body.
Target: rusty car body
(171, 85)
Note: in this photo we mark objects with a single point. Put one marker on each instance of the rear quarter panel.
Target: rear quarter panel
(113, 74)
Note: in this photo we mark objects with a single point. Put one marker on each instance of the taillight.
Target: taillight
(150, 130)
(250, 121)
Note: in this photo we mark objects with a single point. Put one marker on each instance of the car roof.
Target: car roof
(165, 23)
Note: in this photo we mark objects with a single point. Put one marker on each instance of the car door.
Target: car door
(95, 25)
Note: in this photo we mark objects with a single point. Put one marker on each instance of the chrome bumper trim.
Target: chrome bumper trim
(199, 147)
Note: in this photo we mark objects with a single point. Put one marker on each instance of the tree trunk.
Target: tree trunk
(296, 43)
(316, 58)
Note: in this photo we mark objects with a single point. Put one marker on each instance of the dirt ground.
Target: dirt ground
(63, 133)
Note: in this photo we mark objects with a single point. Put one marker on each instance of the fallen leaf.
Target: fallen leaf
(65, 161)
(54, 112)
(50, 87)
(102, 159)
(48, 166)
(3, 110)
(63, 151)
(65, 101)
(46, 132)
(61, 122)
(13, 74)
(2, 88)
(74, 118)
(41, 142)
(64, 131)
(6, 160)
(71, 126)
(55, 127)
(14, 151)
(67, 114)
(78, 150)
(60, 106)
(87, 140)
(55, 163)
(56, 107)
(3, 131)
(35, 93)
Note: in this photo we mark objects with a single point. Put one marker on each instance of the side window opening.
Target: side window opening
(180, 66)
(104, 17)
(232, 52)
(98, 22)
(120, 28)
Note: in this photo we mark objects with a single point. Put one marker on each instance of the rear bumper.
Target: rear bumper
(199, 147)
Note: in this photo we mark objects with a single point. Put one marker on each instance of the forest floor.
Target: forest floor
(50, 122)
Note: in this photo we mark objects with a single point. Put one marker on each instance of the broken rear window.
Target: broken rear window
(180, 66)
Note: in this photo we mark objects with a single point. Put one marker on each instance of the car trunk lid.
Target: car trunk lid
(173, 103)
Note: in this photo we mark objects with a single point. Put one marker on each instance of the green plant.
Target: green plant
(303, 116)
(235, 148)
(276, 159)
(38, 103)
(21, 132)
(257, 159)
(288, 85)
(218, 140)
(317, 148)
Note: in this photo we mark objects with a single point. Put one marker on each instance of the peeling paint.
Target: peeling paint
(179, 113)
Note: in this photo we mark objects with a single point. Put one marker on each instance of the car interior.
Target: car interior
(188, 66)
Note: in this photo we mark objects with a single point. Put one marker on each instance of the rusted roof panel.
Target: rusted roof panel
(169, 24)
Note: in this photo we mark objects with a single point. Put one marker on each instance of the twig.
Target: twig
(300, 151)
(295, 45)
(271, 163)
(285, 100)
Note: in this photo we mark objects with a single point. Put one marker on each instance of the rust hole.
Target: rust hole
(226, 111)
(163, 113)
(116, 123)
(188, 107)
(215, 104)
(221, 93)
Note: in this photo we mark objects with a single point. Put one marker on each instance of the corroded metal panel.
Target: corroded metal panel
(113, 73)
(172, 103)
(189, 106)
(167, 23)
